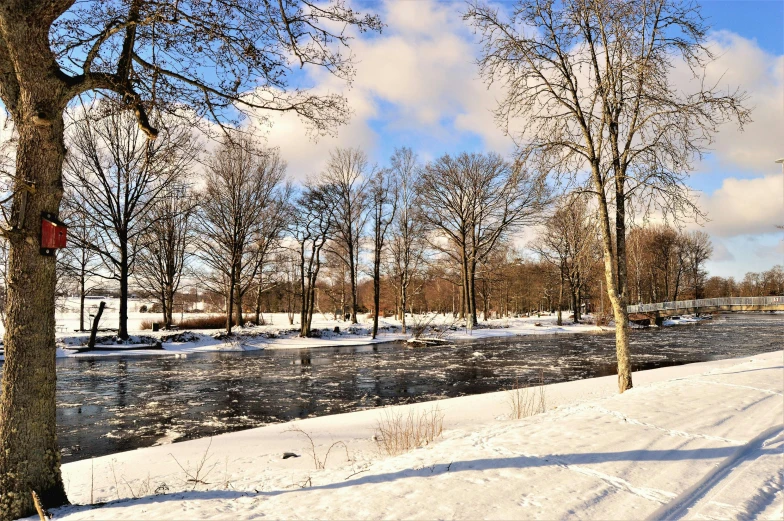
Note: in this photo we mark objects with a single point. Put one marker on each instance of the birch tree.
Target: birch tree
(407, 242)
(589, 92)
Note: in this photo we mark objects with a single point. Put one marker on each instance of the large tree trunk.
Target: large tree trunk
(465, 309)
(123, 331)
(169, 319)
(82, 292)
(353, 278)
(258, 299)
(376, 288)
(30, 459)
(238, 303)
(230, 304)
(559, 321)
(403, 304)
(472, 291)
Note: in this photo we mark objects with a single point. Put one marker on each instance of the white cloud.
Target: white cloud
(745, 206)
(418, 77)
(742, 64)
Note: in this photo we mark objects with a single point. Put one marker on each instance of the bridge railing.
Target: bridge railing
(706, 303)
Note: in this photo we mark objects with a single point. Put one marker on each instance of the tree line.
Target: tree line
(386, 240)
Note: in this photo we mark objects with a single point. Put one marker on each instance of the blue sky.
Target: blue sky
(417, 85)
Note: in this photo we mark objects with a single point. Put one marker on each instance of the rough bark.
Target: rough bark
(30, 459)
(123, 330)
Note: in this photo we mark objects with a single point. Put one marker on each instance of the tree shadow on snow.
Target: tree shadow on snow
(516, 462)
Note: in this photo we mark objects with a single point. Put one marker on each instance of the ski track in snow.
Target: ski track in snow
(766, 391)
(711, 484)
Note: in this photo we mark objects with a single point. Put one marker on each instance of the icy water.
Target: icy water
(117, 404)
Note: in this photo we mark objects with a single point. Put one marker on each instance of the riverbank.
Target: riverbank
(278, 334)
(704, 440)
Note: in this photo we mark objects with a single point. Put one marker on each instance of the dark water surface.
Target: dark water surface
(114, 404)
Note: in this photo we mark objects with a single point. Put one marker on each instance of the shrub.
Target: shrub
(397, 433)
(146, 324)
(526, 401)
(143, 308)
(209, 322)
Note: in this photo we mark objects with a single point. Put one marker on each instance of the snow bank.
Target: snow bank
(701, 440)
(279, 334)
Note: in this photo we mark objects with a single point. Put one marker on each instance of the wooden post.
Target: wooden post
(94, 331)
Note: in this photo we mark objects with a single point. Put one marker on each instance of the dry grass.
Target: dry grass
(146, 324)
(210, 322)
(525, 401)
(397, 432)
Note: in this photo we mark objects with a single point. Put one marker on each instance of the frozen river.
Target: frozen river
(116, 404)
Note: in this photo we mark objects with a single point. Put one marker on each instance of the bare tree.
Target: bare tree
(383, 195)
(347, 175)
(240, 183)
(472, 201)
(274, 220)
(566, 242)
(210, 61)
(311, 228)
(79, 261)
(407, 243)
(117, 175)
(166, 246)
(699, 249)
(589, 91)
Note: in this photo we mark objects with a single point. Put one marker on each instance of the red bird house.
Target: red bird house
(53, 234)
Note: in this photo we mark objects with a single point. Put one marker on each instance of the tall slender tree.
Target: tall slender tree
(312, 227)
(589, 92)
(241, 182)
(407, 243)
(383, 196)
(347, 175)
(167, 246)
(79, 261)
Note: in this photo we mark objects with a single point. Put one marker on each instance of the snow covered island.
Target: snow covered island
(700, 441)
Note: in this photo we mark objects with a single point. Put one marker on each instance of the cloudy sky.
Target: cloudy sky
(417, 85)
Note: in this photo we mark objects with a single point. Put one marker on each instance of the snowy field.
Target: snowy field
(699, 441)
(279, 334)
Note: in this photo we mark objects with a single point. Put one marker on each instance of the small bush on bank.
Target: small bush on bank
(525, 401)
(397, 433)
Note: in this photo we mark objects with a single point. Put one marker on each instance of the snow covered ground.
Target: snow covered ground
(279, 334)
(700, 441)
